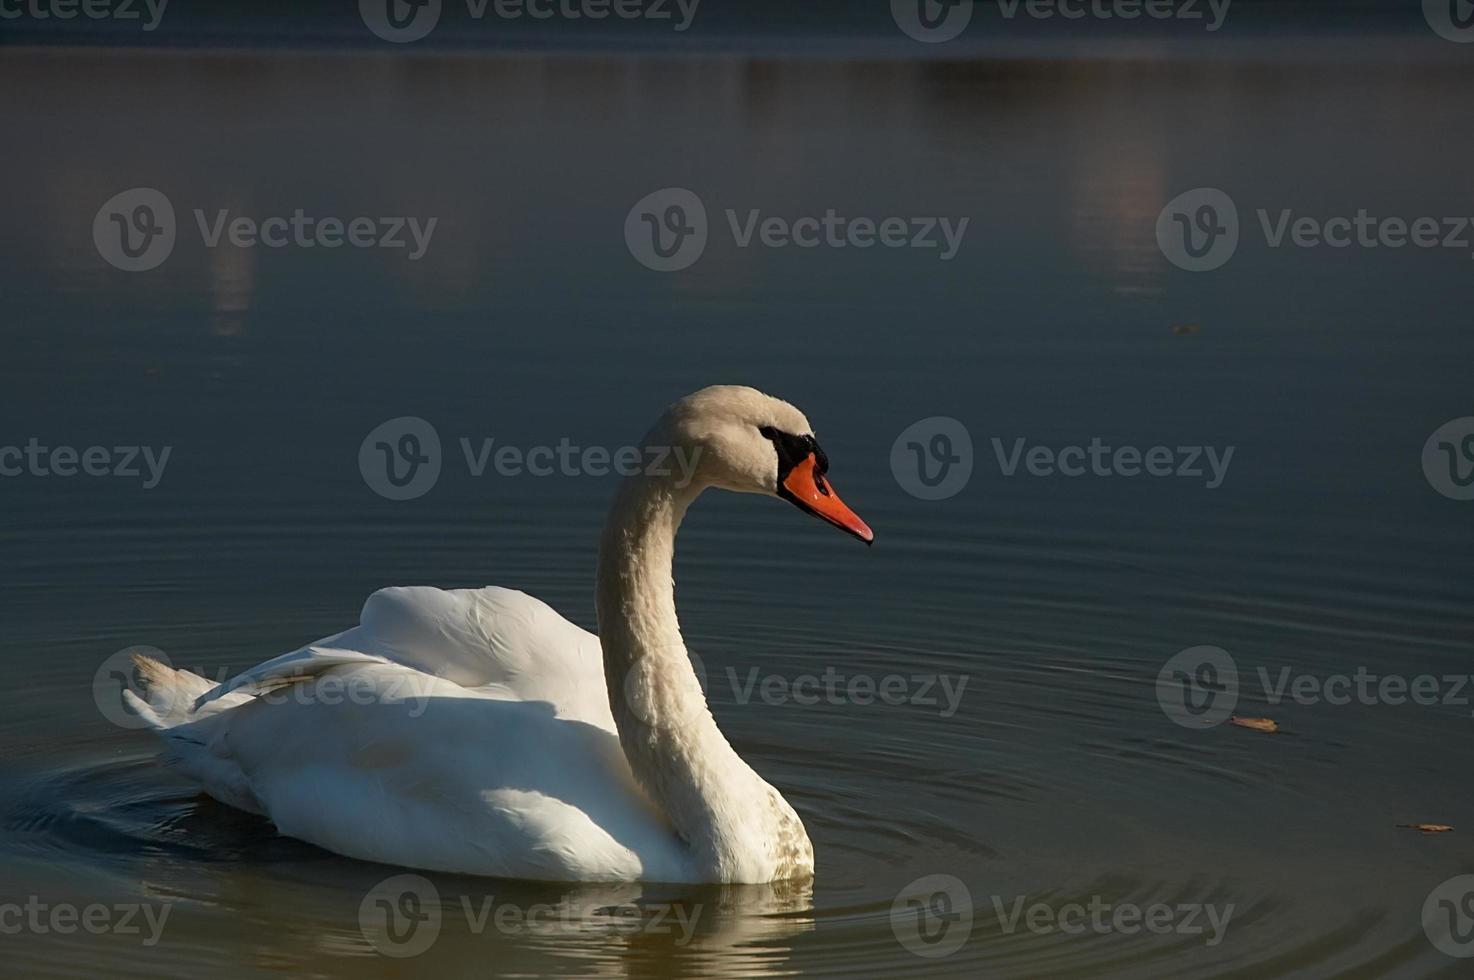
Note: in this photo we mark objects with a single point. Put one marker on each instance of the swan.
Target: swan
(477, 731)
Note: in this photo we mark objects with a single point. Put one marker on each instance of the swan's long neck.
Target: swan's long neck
(733, 821)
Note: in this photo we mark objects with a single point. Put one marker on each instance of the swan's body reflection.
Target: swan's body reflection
(458, 925)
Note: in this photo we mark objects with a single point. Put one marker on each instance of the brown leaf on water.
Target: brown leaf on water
(1268, 725)
(1427, 828)
(1185, 328)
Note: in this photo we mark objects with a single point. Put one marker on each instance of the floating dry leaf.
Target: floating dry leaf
(1427, 828)
(1257, 724)
(1185, 328)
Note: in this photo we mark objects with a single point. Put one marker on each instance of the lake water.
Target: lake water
(1047, 605)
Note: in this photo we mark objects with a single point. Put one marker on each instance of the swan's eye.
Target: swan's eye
(793, 450)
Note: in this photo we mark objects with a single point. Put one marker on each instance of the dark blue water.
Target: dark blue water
(1057, 777)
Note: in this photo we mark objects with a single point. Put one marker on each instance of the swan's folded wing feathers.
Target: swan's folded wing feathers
(491, 638)
(289, 668)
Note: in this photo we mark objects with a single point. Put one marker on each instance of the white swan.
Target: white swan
(477, 731)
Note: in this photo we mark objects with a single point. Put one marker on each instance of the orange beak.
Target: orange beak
(806, 487)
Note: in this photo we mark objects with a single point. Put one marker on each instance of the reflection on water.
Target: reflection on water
(1057, 780)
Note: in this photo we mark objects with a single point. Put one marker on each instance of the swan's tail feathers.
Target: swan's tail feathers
(170, 693)
(193, 744)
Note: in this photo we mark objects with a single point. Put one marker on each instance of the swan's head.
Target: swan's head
(749, 442)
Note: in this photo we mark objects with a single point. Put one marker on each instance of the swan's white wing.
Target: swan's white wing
(501, 641)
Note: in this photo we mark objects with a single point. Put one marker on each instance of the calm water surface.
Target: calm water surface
(1058, 778)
